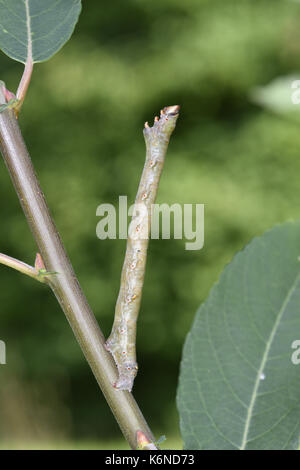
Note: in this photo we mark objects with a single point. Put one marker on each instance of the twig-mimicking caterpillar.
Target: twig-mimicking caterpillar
(121, 342)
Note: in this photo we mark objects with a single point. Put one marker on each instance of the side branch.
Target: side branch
(121, 342)
(22, 267)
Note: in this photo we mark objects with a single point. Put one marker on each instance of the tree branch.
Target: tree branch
(22, 267)
(121, 342)
(65, 284)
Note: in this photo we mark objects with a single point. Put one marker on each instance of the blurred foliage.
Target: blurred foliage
(82, 121)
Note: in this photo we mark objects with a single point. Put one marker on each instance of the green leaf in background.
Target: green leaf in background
(238, 386)
(36, 29)
(277, 96)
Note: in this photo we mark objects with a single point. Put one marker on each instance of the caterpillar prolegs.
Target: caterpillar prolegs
(121, 342)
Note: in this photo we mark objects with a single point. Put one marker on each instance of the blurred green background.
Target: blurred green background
(82, 121)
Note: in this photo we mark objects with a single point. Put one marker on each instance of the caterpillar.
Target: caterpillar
(122, 339)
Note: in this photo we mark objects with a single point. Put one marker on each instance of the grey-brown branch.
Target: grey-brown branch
(63, 281)
(122, 340)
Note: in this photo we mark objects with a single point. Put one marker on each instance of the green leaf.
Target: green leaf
(277, 96)
(238, 386)
(12, 103)
(36, 29)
